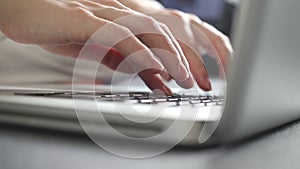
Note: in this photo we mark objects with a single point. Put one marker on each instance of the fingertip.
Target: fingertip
(167, 91)
(162, 90)
(206, 85)
(186, 84)
(181, 74)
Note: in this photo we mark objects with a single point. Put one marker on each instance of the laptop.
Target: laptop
(261, 92)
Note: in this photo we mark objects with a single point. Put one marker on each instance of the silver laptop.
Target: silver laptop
(262, 92)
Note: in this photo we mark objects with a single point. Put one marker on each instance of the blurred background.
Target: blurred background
(218, 13)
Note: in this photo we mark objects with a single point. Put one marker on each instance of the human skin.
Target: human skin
(63, 27)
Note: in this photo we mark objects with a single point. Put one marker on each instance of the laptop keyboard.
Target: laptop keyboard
(136, 98)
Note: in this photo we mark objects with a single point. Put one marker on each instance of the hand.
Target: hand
(192, 34)
(63, 27)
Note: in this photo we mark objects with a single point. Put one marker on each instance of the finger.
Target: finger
(112, 58)
(146, 6)
(194, 61)
(112, 35)
(112, 3)
(155, 83)
(188, 83)
(198, 68)
(180, 27)
(221, 46)
(95, 4)
(153, 36)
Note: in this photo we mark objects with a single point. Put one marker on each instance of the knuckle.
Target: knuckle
(74, 4)
(147, 25)
(121, 31)
(192, 15)
(149, 21)
(91, 4)
(224, 47)
(81, 12)
(222, 39)
(124, 12)
(164, 26)
(176, 13)
(113, 34)
(112, 2)
(78, 8)
(125, 30)
(85, 13)
(195, 18)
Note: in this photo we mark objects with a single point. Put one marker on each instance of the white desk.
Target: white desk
(279, 149)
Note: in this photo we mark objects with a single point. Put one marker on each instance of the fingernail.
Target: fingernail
(187, 84)
(167, 91)
(207, 84)
(159, 92)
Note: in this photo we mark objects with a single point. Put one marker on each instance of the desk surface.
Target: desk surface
(26, 149)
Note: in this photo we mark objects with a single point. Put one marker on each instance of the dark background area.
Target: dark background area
(218, 13)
